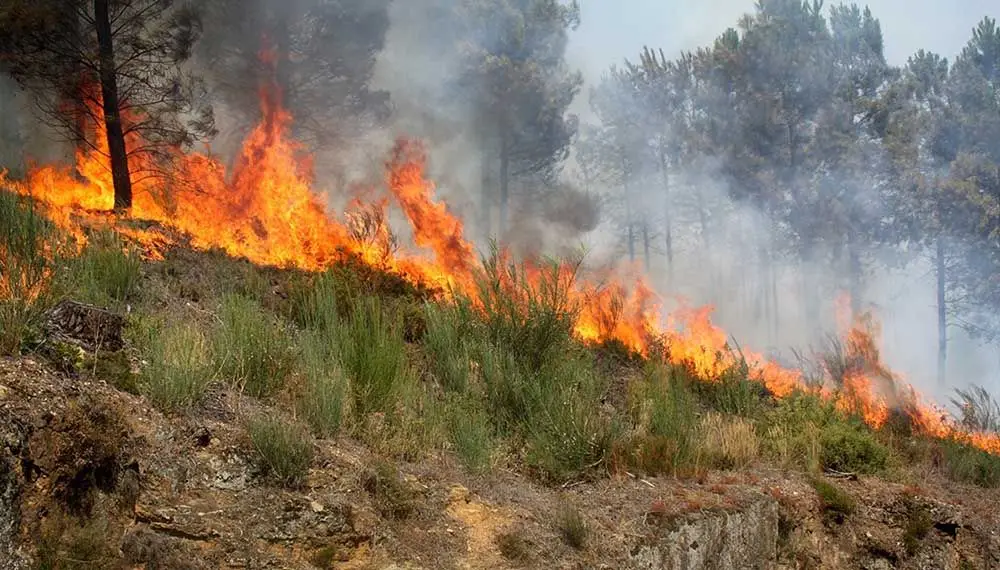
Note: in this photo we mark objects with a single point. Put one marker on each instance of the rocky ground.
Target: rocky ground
(94, 477)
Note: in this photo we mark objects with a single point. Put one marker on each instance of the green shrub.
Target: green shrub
(106, 272)
(446, 345)
(835, 502)
(470, 433)
(663, 409)
(178, 371)
(321, 401)
(969, 464)
(284, 450)
(734, 393)
(848, 447)
(250, 348)
(918, 525)
(29, 253)
(532, 316)
(315, 303)
(556, 409)
(373, 354)
(792, 429)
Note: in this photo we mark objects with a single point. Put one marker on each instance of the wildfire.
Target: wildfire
(267, 210)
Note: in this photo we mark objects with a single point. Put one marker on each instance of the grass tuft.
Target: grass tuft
(663, 411)
(446, 344)
(251, 348)
(470, 433)
(730, 442)
(284, 449)
(571, 526)
(835, 502)
(373, 354)
(28, 257)
(321, 401)
(179, 370)
(106, 272)
(533, 317)
(513, 546)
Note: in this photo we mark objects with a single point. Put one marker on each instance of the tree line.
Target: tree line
(855, 164)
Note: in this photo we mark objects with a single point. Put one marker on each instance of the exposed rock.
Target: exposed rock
(745, 539)
(91, 328)
(11, 441)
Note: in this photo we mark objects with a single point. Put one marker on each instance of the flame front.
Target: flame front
(266, 210)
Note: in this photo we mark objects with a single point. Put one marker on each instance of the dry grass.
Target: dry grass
(729, 441)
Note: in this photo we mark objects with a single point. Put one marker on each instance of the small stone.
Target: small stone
(316, 507)
(3, 391)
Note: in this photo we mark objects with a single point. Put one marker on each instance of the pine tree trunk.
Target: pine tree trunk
(112, 116)
(667, 225)
(486, 180)
(942, 314)
(854, 274)
(504, 183)
(628, 209)
(645, 245)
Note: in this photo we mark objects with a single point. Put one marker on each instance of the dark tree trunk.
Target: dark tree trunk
(942, 314)
(112, 116)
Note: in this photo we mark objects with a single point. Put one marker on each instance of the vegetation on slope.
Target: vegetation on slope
(343, 353)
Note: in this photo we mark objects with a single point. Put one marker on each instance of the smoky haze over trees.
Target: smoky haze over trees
(789, 148)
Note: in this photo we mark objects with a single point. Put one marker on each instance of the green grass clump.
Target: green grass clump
(179, 370)
(251, 348)
(533, 317)
(373, 354)
(285, 450)
(315, 303)
(29, 252)
(105, 273)
(969, 464)
(446, 345)
(734, 393)
(835, 502)
(792, 428)
(918, 526)
(321, 401)
(470, 433)
(555, 409)
(849, 447)
(663, 411)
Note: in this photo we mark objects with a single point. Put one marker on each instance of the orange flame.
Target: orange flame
(268, 211)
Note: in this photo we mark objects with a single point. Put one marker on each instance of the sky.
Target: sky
(613, 30)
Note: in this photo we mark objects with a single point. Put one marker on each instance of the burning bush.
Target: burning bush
(29, 252)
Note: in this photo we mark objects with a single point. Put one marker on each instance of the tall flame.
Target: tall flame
(266, 210)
